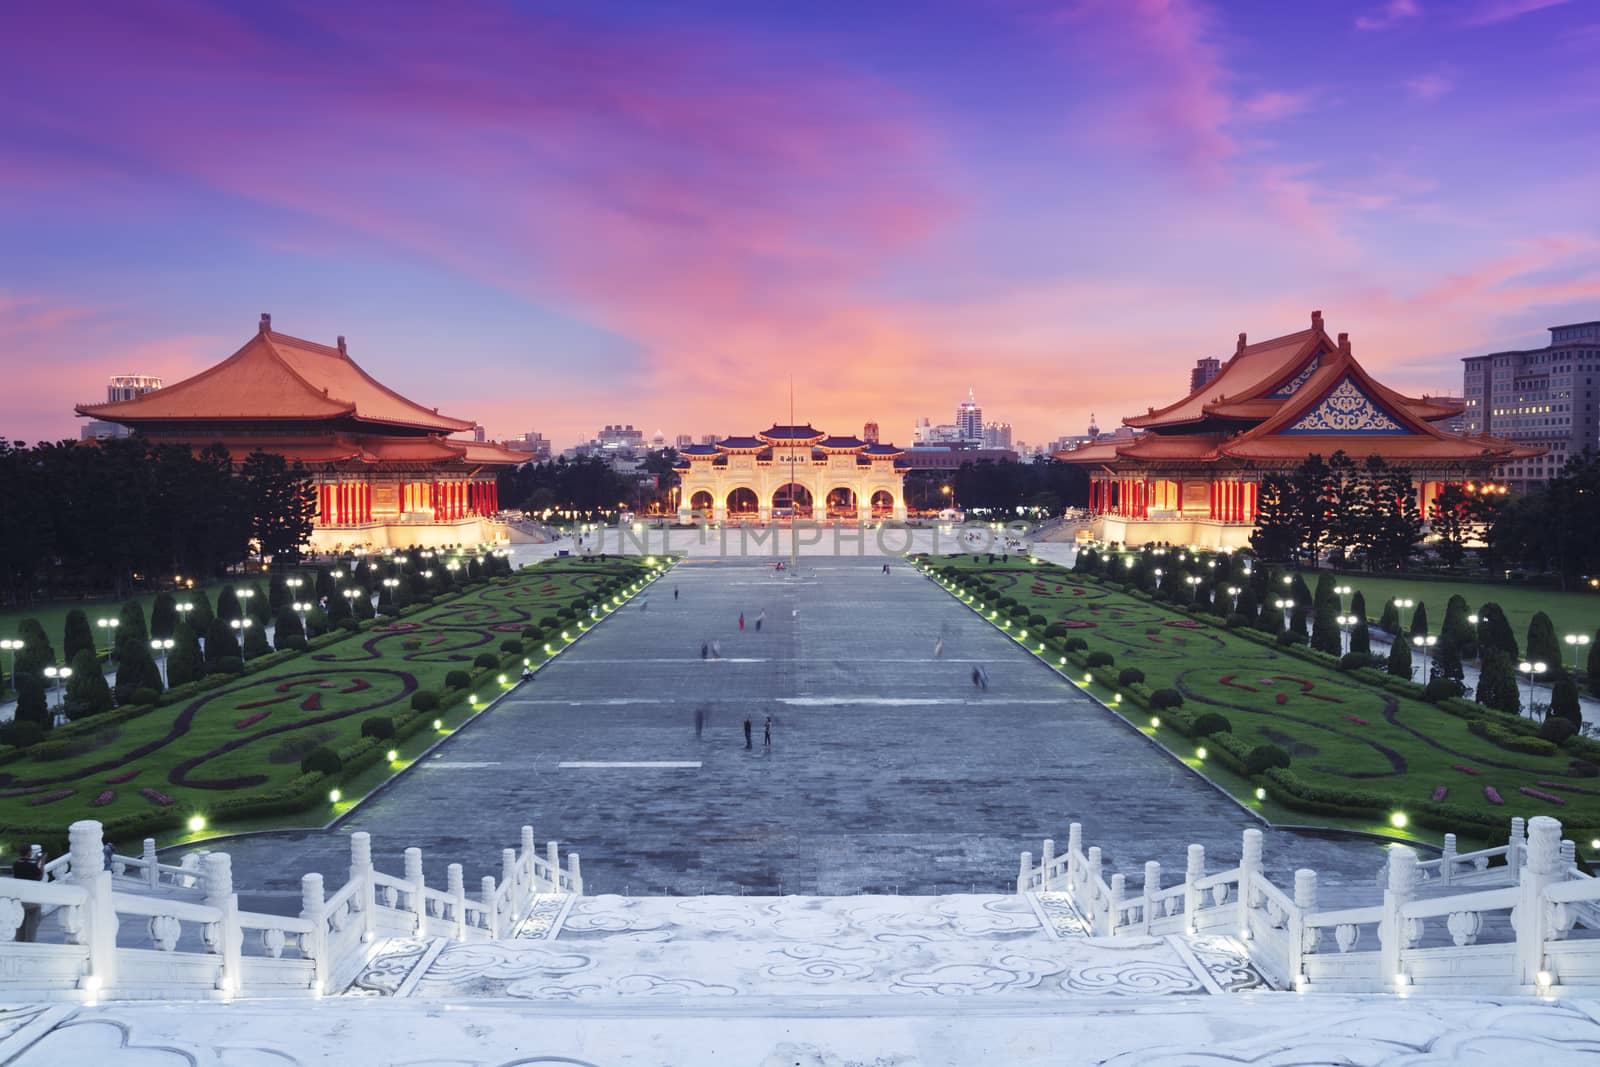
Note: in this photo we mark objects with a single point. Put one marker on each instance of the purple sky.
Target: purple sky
(558, 215)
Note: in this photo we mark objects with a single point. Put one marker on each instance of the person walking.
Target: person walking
(30, 868)
(705, 650)
(716, 650)
(741, 622)
(674, 592)
(760, 619)
(699, 722)
(938, 648)
(766, 733)
(974, 677)
(747, 733)
(983, 677)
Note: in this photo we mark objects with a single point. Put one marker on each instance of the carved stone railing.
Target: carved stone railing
(1533, 934)
(104, 939)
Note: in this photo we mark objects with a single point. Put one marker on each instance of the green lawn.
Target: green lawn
(1571, 612)
(247, 737)
(1342, 735)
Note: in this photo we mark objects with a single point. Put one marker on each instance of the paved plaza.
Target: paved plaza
(888, 770)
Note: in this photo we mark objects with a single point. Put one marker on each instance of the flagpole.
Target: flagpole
(794, 532)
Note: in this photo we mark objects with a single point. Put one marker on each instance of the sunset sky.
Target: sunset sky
(556, 215)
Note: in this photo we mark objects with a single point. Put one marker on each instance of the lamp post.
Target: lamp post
(110, 628)
(183, 608)
(1234, 592)
(242, 625)
(302, 609)
(1345, 622)
(1285, 606)
(1404, 606)
(1577, 641)
(1193, 582)
(161, 646)
(391, 584)
(11, 644)
(1425, 642)
(1158, 579)
(1531, 669)
(59, 676)
(350, 598)
(1342, 591)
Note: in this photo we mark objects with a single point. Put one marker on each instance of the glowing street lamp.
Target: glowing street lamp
(110, 628)
(11, 644)
(1234, 592)
(242, 625)
(1425, 642)
(1531, 670)
(302, 609)
(1284, 605)
(1158, 578)
(1403, 606)
(1342, 591)
(1577, 641)
(1345, 622)
(161, 646)
(59, 676)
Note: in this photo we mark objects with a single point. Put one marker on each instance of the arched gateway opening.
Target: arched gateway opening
(791, 500)
(743, 503)
(701, 501)
(882, 504)
(841, 503)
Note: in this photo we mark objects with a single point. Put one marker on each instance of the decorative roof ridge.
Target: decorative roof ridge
(1344, 365)
(1244, 349)
(342, 353)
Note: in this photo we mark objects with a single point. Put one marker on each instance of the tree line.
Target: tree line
(119, 514)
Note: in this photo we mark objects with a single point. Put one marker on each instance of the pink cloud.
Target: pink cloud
(1496, 11)
(1273, 105)
(1429, 87)
(1390, 14)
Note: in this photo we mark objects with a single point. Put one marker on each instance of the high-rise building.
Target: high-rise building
(710, 438)
(1204, 370)
(120, 387)
(869, 433)
(536, 444)
(997, 435)
(620, 438)
(479, 434)
(683, 441)
(969, 420)
(1538, 396)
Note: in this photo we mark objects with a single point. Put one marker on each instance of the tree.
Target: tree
(1419, 621)
(35, 654)
(1450, 520)
(1399, 662)
(1494, 631)
(87, 692)
(220, 642)
(1361, 636)
(77, 635)
(1592, 665)
(1497, 681)
(1325, 627)
(255, 642)
(1397, 523)
(200, 615)
(1543, 647)
(228, 607)
(185, 663)
(1389, 621)
(277, 593)
(131, 629)
(163, 615)
(1278, 533)
(32, 705)
(1447, 660)
(136, 670)
(286, 628)
(1358, 605)
(1456, 629)
(1564, 699)
(281, 502)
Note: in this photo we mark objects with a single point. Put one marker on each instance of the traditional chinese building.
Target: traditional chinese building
(791, 471)
(1192, 474)
(386, 470)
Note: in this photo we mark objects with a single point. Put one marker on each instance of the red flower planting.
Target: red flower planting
(118, 779)
(1492, 795)
(155, 796)
(1182, 624)
(103, 799)
(1440, 792)
(1467, 770)
(312, 703)
(51, 798)
(1539, 795)
(251, 720)
(1358, 722)
(1282, 698)
(1228, 680)
(1077, 624)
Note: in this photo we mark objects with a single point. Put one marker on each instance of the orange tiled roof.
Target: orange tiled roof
(363, 448)
(275, 377)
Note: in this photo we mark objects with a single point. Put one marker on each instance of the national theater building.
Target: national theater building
(387, 473)
(791, 472)
(1192, 473)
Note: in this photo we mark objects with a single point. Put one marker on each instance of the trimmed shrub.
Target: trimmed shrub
(1036, 621)
(511, 646)
(1166, 698)
(457, 680)
(1130, 676)
(379, 726)
(1351, 661)
(230, 665)
(486, 660)
(349, 625)
(1510, 740)
(1208, 723)
(550, 622)
(1236, 620)
(321, 760)
(424, 700)
(21, 733)
(1075, 644)
(1441, 688)
(1556, 729)
(1264, 758)
(1055, 630)
(566, 614)
(1101, 658)
(533, 634)
(145, 696)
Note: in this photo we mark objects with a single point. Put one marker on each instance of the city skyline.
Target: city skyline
(538, 217)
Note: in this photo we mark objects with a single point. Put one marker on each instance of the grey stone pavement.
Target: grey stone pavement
(888, 772)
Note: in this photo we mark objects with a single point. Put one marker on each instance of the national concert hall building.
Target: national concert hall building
(1192, 472)
(386, 470)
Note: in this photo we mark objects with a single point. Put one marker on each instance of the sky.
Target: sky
(557, 215)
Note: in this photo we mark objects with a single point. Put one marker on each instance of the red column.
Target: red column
(1178, 504)
(339, 505)
(1250, 499)
(457, 509)
(369, 501)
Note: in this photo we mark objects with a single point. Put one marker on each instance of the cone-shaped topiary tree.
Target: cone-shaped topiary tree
(31, 703)
(1399, 663)
(1494, 631)
(1389, 621)
(1358, 605)
(163, 616)
(277, 593)
(255, 642)
(87, 691)
(136, 670)
(220, 642)
(184, 662)
(259, 605)
(1361, 636)
(1457, 629)
(1564, 699)
(1447, 660)
(1543, 645)
(201, 615)
(76, 636)
(286, 627)
(1419, 621)
(228, 608)
(1592, 667)
(1497, 682)
(1325, 621)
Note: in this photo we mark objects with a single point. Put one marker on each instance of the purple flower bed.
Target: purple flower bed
(155, 796)
(118, 779)
(1492, 795)
(51, 798)
(1467, 770)
(1570, 788)
(1358, 722)
(1440, 792)
(25, 791)
(1539, 795)
(103, 799)
(251, 720)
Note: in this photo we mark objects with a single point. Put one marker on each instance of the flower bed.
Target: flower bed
(123, 776)
(103, 799)
(1183, 624)
(1077, 624)
(1354, 719)
(251, 720)
(1467, 770)
(1492, 795)
(1571, 788)
(1228, 680)
(1281, 698)
(51, 798)
(1440, 792)
(1538, 794)
(156, 797)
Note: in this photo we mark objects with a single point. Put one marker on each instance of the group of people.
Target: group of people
(29, 867)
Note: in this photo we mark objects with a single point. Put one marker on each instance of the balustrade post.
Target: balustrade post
(1531, 919)
(99, 916)
(1249, 871)
(1447, 861)
(1024, 869)
(314, 943)
(152, 866)
(1514, 848)
(417, 895)
(508, 877)
(226, 939)
(530, 852)
(457, 887)
(361, 873)
(574, 874)
(1113, 910)
(1194, 870)
(1089, 902)
(1047, 859)
(554, 860)
(1152, 885)
(1302, 938)
(1393, 936)
(1569, 858)
(491, 914)
(1074, 852)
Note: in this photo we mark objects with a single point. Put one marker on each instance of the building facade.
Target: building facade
(791, 472)
(1204, 370)
(969, 421)
(120, 387)
(1193, 475)
(386, 471)
(1541, 397)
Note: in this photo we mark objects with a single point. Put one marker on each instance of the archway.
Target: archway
(841, 503)
(793, 500)
(743, 503)
(701, 501)
(882, 504)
